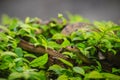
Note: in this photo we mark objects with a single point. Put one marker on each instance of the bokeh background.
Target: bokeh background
(45, 9)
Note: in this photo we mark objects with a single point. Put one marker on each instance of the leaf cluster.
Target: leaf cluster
(17, 63)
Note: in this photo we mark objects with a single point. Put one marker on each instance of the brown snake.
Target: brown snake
(74, 27)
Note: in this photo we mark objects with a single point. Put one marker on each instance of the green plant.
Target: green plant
(32, 50)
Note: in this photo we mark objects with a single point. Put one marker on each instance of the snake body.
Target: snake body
(74, 27)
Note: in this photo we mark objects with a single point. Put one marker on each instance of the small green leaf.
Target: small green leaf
(4, 66)
(76, 18)
(40, 61)
(78, 35)
(79, 70)
(19, 52)
(63, 77)
(110, 76)
(60, 15)
(52, 24)
(56, 68)
(65, 43)
(66, 62)
(52, 45)
(27, 20)
(6, 19)
(58, 36)
(99, 67)
(13, 24)
(115, 70)
(94, 75)
(69, 54)
(4, 37)
(13, 77)
(42, 75)
(30, 55)
(96, 35)
(44, 43)
(64, 20)
(19, 69)
(42, 40)
(81, 45)
(8, 53)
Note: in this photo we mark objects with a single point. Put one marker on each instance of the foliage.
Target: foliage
(17, 63)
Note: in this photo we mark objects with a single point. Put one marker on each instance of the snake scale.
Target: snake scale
(74, 27)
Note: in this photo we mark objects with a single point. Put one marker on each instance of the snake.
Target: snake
(67, 30)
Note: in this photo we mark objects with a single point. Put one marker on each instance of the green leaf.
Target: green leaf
(94, 75)
(42, 40)
(58, 36)
(42, 75)
(13, 24)
(81, 45)
(99, 67)
(28, 75)
(78, 35)
(44, 43)
(65, 43)
(52, 45)
(56, 68)
(4, 66)
(114, 70)
(101, 26)
(40, 61)
(110, 76)
(60, 15)
(27, 20)
(64, 20)
(63, 77)
(52, 24)
(3, 37)
(19, 52)
(79, 70)
(13, 77)
(106, 43)
(69, 54)
(76, 18)
(30, 55)
(66, 62)
(96, 35)
(5, 19)
(8, 53)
